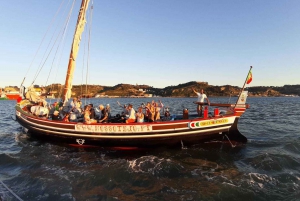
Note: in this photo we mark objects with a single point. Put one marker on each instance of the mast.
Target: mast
(74, 50)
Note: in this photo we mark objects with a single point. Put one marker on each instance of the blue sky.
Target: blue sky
(160, 42)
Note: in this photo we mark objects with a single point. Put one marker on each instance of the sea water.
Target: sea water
(266, 168)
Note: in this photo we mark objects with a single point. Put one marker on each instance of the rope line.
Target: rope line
(63, 34)
(230, 142)
(47, 56)
(51, 23)
(11, 191)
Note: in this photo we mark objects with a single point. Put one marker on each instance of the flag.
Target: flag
(249, 78)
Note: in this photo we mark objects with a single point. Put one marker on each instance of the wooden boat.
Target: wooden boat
(180, 130)
(12, 95)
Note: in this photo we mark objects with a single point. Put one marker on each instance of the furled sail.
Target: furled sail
(81, 21)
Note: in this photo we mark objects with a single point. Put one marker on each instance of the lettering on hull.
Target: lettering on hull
(198, 124)
(113, 128)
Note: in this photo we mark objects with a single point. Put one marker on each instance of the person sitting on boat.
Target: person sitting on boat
(75, 105)
(167, 114)
(56, 111)
(104, 114)
(79, 104)
(39, 110)
(200, 100)
(149, 112)
(52, 109)
(55, 116)
(92, 110)
(76, 116)
(130, 118)
(140, 115)
(87, 113)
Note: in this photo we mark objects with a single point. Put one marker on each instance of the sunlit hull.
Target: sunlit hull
(163, 133)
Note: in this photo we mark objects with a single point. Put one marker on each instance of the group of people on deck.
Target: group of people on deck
(102, 114)
(145, 113)
(75, 112)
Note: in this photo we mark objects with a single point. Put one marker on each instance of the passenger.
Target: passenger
(108, 110)
(167, 114)
(75, 105)
(104, 114)
(158, 108)
(52, 109)
(73, 117)
(76, 116)
(201, 96)
(153, 103)
(131, 116)
(87, 114)
(39, 110)
(140, 115)
(79, 104)
(56, 116)
(92, 110)
(150, 112)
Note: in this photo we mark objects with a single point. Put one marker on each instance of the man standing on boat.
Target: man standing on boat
(200, 101)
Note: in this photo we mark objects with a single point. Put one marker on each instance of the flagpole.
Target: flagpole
(243, 86)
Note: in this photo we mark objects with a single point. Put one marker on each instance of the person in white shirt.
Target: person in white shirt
(140, 115)
(39, 110)
(131, 116)
(201, 97)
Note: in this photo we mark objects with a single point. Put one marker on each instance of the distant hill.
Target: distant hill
(181, 90)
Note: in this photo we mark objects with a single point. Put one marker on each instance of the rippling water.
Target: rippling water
(266, 168)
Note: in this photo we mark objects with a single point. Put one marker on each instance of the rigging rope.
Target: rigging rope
(230, 142)
(11, 191)
(63, 31)
(87, 35)
(89, 41)
(50, 50)
(42, 41)
(83, 64)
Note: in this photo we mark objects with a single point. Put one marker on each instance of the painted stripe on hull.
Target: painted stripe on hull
(178, 134)
(71, 128)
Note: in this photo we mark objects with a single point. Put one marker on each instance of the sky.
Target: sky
(154, 42)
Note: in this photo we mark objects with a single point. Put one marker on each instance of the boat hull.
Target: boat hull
(165, 133)
(12, 96)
